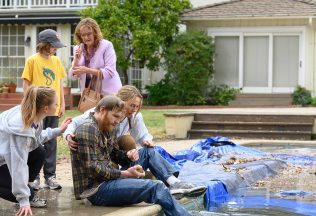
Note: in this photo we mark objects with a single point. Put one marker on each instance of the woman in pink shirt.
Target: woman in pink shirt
(94, 55)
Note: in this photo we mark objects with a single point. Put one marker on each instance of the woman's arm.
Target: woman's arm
(76, 122)
(50, 133)
(77, 52)
(139, 130)
(109, 57)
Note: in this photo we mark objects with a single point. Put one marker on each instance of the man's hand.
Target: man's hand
(24, 211)
(65, 124)
(72, 144)
(133, 155)
(133, 172)
(148, 143)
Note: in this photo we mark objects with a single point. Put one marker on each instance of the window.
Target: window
(259, 62)
(285, 58)
(12, 57)
(74, 83)
(134, 72)
(135, 75)
(226, 49)
(256, 61)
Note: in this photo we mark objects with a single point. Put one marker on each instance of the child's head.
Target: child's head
(37, 99)
(49, 42)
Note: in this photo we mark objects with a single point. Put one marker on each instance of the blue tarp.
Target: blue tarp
(203, 163)
(212, 149)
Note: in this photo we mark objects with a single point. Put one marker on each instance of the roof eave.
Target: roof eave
(204, 18)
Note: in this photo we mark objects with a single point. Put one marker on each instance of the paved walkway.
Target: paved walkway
(64, 204)
(274, 110)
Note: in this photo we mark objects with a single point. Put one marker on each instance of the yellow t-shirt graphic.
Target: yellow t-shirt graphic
(49, 75)
(42, 71)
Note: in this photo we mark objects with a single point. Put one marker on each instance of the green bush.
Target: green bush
(313, 102)
(160, 93)
(220, 95)
(301, 96)
(189, 64)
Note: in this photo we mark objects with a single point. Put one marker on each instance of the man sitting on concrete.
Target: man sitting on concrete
(94, 175)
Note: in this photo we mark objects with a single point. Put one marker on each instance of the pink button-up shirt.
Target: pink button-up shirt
(105, 60)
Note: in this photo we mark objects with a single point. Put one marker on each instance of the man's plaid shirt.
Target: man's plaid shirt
(92, 162)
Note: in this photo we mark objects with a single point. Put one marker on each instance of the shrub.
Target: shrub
(160, 93)
(313, 102)
(301, 96)
(220, 95)
(189, 64)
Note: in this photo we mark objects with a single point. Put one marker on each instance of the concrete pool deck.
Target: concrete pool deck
(63, 203)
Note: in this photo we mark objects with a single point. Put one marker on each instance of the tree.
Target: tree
(139, 29)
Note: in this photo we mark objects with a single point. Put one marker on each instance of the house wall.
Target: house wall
(65, 36)
(64, 31)
(200, 3)
(309, 72)
(309, 25)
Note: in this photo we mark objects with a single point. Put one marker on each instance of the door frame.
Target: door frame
(270, 32)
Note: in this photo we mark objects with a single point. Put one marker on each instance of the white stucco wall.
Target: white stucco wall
(199, 3)
(309, 40)
(64, 31)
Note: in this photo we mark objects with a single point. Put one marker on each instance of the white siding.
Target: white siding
(199, 3)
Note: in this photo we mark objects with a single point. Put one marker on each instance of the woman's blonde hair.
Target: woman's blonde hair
(35, 98)
(129, 92)
(91, 24)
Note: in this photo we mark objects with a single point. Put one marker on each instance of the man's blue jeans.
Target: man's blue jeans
(120, 192)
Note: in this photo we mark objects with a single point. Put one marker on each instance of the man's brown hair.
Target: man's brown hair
(110, 102)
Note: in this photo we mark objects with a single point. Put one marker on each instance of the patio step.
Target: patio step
(259, 100)
(250, 134)
(252, 126)
(249, 117)
(9, 100)
(258, 126)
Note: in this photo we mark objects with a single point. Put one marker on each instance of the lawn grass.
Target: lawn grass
(62, 146)
(154, 120)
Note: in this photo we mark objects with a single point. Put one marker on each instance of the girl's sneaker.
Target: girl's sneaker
(37, 202)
